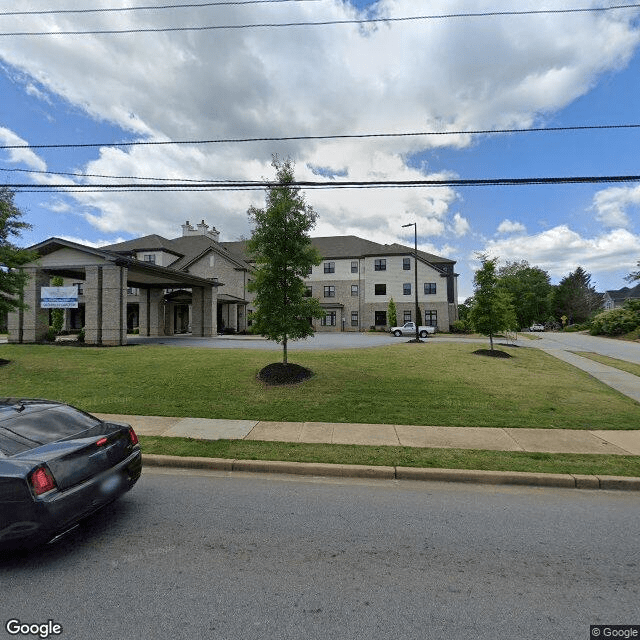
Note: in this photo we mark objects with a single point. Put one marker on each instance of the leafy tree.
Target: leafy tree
(12, 279)
(634, 275)
(576, 298)
(530, 290)
(57, 315)
(492, 310)
(392, 314)
(283, 252)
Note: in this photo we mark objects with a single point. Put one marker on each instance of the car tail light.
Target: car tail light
(132, 436)
(42, 480)
(101, 442)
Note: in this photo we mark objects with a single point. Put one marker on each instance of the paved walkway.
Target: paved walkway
(489, 438)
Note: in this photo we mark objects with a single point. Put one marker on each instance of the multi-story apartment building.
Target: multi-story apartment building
(357, 279)
(197, 284)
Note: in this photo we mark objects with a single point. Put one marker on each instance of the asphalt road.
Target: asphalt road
(214, 555)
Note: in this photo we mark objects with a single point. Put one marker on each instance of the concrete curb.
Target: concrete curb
(566, 481)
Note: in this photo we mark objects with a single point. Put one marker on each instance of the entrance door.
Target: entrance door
(181, 318)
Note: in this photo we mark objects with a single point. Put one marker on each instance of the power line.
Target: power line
(311, 184)
(321, 137)
(192, 5)
(484, 14)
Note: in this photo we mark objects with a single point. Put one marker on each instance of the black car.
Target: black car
(57, 466)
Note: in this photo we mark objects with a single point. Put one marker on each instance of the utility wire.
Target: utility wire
(310, 184)
(484, 14)
(324, 137)
(192, 5)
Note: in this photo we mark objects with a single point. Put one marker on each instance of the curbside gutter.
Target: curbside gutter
(567, 481)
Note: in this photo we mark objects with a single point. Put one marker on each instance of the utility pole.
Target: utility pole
(415, 270)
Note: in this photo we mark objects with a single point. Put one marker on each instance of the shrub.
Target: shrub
(460, 326)
(617, 322)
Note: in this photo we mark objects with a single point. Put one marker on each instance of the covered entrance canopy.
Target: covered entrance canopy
(105, 277)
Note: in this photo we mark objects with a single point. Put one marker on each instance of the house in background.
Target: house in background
(615, 299)
(196, 284)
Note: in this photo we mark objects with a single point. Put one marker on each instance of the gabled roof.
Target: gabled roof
(151, 242)
(625, 293)
(139, 273)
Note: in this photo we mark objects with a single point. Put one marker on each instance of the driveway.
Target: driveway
(320, 341)
(620, 349)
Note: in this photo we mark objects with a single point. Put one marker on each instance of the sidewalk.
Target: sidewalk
(545, 440)
(489, 438)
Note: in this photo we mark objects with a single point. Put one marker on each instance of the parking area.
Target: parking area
(319, 341)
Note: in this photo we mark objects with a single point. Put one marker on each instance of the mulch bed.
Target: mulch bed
(496, 353)
(279, 373)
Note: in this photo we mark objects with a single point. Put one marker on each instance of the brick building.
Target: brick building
(196, 284)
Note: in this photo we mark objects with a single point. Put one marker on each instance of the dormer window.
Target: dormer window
(149, 257)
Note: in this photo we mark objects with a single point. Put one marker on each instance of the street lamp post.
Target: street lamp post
(415, 270)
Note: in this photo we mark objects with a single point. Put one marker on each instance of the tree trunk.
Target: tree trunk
(284, 351)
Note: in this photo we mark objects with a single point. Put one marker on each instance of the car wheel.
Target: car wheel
(397, 334)
(423, 334)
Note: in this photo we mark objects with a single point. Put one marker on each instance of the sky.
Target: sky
(328, 83)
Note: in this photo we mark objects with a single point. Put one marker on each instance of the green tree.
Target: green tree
(57, 315)
(12, 279)
(634, 275)
(576, 298)
(392, 314)
(284, 255)
(530, 290)
(492, 310)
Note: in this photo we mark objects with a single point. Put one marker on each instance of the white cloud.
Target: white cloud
(20, 156)
(508, 227)
(454, 75)
(611, 205)
(561, 250)
(461, 225)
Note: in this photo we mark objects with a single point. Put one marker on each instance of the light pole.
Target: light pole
(415, 270)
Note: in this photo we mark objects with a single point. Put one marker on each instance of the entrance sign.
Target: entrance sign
(59, 298)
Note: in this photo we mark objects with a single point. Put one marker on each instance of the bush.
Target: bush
(51, 335)
(617, 322)
(460, 326)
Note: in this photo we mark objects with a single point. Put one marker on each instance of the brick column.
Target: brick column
(204, 313)
(105, 295)
(32, 323)
(114, 305)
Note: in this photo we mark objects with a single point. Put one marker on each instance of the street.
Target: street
(220, 555)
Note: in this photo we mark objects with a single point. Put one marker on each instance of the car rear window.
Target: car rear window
(44, 424)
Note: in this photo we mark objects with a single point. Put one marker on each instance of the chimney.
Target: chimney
(187, 229)
(202, 228)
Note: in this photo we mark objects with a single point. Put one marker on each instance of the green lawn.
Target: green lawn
(623, 365)
(427, 384)
(571, 463)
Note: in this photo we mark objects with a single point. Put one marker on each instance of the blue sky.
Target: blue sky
(456, 74)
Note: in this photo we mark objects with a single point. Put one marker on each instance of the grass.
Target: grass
(396, 456)
(427, 384)
(623, 365)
